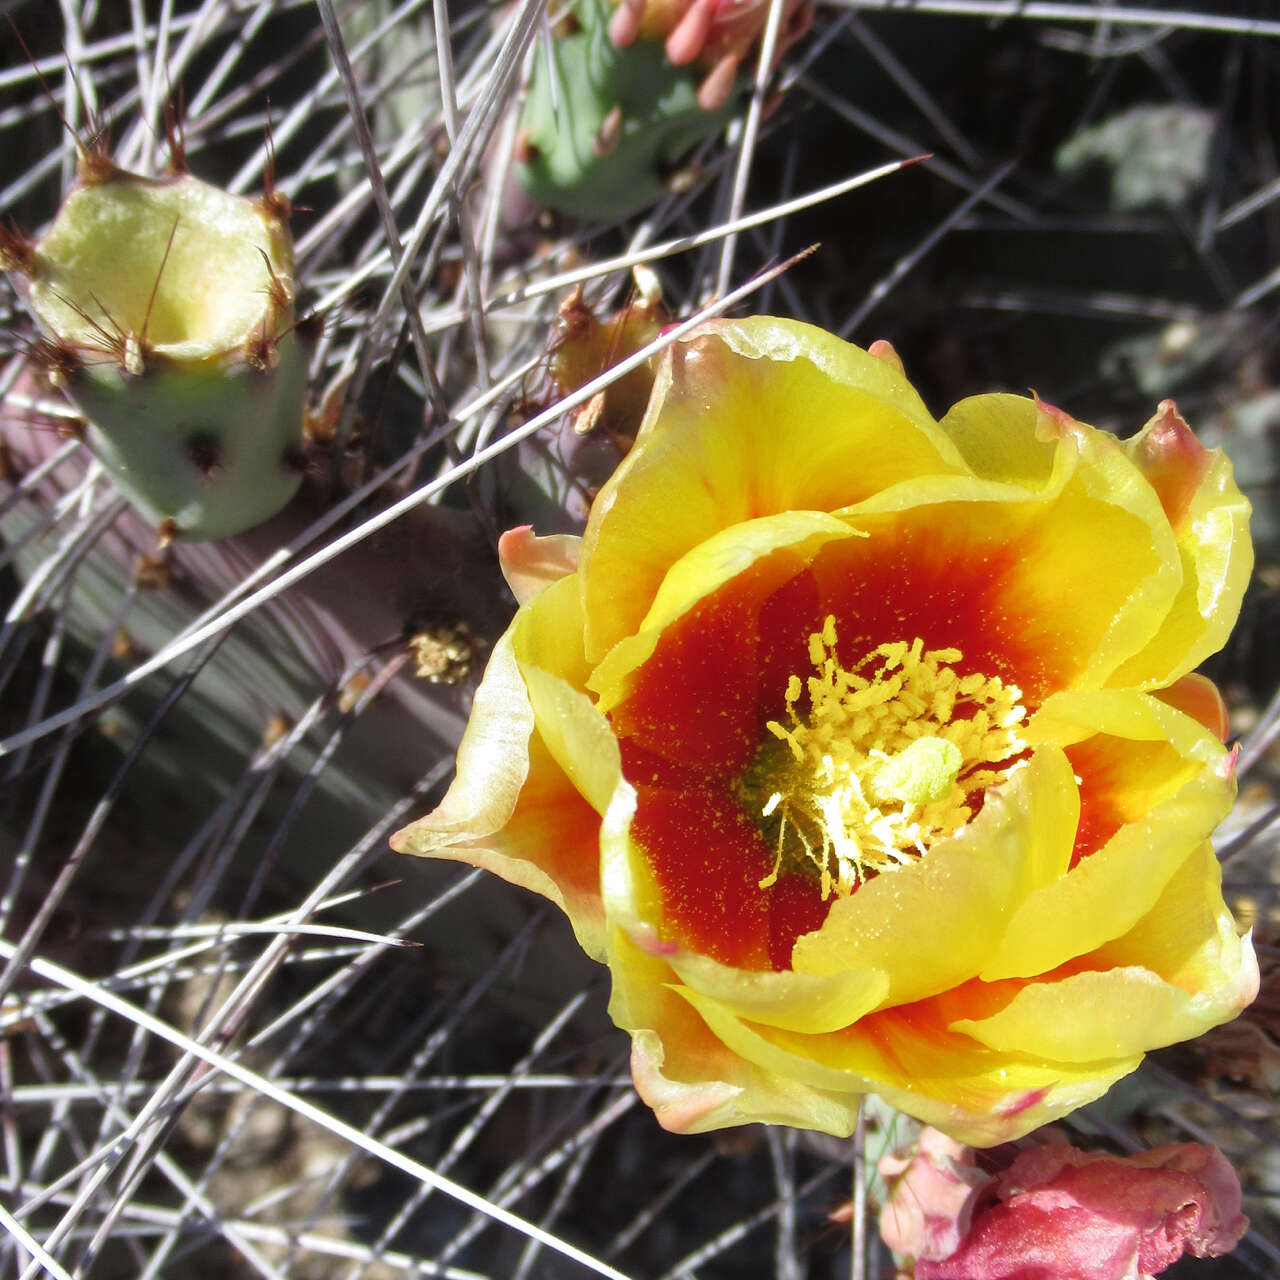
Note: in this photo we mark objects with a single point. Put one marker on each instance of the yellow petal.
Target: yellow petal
(577, 736)
(683, 1063)
(730, 553)
(756, 558)
(748, 418)
(548, 633)
(789, 1000)
(997, 436)
(691, 1079)
(1189, 939)
(1105, 1014)
(1210, 518)
(942, 1077)
(513, 810)
(1197, 696)
(1168, 786)
(965, 889)
(1051, 501)
(546, 641)
(781, 998)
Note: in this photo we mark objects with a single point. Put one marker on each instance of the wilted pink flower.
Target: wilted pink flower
(933, 1194)
(1058, 1213)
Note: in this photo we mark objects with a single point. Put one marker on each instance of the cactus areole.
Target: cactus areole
(167, 309)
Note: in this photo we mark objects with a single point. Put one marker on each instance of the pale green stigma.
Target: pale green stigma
(923, 773)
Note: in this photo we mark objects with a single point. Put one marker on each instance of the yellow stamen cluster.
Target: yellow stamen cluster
(885, 760)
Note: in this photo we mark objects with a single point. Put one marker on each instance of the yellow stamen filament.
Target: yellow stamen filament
(889, 757)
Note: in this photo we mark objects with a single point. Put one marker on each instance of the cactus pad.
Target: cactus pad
(168, 305)
(603, 126)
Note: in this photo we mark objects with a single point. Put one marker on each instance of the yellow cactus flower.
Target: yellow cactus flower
(865, 749)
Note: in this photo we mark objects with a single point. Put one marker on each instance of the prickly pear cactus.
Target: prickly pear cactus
(603, 127)
(166, 309)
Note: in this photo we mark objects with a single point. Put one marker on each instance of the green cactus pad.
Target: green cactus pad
(211, 445)
(170, 305)
(562, 122)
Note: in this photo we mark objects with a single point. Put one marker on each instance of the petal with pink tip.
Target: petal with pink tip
(530, 563)
(1210, 519)
(694, 1081)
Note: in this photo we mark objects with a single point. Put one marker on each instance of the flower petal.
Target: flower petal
(547, 633)
(931, 1197)
(1174, 462)
(546, 640)
(748, 418)
(697, 658)
(1020, 841)
(997, 436)
(530, 563)
(1050, 501)
(508, 794)
(683, 869)
(577, 736)
(1210, 518)
(910, 1058)
(1190, 940)
(1111, 1013)
(1092, 1216)
(695, 901)
(691, 1079)
(727, 555)
(1152, 789)
(793, 1001)
(1197, 696)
